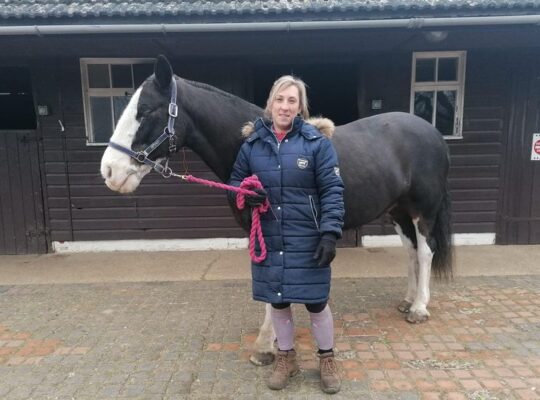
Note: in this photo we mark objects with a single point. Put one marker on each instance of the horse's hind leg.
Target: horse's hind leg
(407, 233)
(418, 311)
(263, 350)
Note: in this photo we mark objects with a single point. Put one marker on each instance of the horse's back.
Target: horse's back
(384, 158)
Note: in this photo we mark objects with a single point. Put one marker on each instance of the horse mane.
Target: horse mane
(210, 88)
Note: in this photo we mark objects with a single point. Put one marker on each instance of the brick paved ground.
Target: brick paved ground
(191, 340)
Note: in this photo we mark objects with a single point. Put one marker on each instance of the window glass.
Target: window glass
(425, 70)
(100, 108)
(423, 105)
(110, 85)
(121, 76)
(98, 76)
(141, 72)
(446, 108)
(447, 69)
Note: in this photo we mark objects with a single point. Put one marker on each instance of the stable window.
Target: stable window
(16, 100)
(438, 81)
(108, 85)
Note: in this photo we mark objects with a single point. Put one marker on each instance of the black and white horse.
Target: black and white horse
(395, 163)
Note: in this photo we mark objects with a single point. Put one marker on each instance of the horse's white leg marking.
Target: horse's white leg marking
(418, 311)
(412, 269)
(263, 350)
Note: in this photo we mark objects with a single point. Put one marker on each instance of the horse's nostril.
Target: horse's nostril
(109, 172)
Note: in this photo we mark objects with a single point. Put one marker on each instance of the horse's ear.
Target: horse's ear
(163, 72)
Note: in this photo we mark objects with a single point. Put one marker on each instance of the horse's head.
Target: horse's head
(143, 121)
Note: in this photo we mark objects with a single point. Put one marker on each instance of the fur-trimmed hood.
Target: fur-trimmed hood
(324, 125)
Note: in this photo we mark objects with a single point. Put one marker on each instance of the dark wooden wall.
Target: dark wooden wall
(519, 216)
(78, 206)
(476, 159)
(81, 207)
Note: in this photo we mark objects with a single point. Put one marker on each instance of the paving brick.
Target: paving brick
(191, 340)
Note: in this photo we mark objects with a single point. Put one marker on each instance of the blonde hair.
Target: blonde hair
(283, 83)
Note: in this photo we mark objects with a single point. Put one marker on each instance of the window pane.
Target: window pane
(119, 104)
(423, 105)
(100, 108)
(425, 69)
(98, 76)
(121, 76)
(141, 72)
(447, 69)
(446, 108)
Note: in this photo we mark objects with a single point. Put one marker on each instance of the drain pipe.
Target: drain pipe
(410, 23)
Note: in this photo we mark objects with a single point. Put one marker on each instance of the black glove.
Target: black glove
(256, 199)
(326, 250)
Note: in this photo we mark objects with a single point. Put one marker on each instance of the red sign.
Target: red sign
(535, 150)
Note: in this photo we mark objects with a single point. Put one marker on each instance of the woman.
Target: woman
(298, 168)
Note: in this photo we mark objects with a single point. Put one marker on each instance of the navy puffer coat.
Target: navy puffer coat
(301, 178)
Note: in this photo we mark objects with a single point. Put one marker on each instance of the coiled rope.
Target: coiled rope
(245, 189)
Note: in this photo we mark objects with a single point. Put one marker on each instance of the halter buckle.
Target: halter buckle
(173, 110)
(140, 157)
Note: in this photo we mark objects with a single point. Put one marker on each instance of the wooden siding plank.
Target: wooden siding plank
(471, 183)
(150, 212)
(16, 192)
(478, 205)
(153, 223)
(476, 227)
(29, 199)
(7, 238)
(473, 194)
(475, 163)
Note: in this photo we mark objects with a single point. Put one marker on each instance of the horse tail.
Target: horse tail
(443, 263)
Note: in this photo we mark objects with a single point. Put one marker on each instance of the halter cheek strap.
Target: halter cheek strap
(168, 133)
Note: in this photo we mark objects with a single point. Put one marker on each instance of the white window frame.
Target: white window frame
(458, 85)
(108, 92)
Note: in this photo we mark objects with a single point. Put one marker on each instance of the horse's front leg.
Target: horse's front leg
(263, 350)
(418, 311)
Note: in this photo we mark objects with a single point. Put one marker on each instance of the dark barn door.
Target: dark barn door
(520, 223)
(21, 200)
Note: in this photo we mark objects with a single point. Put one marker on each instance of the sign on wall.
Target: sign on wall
(535, 152)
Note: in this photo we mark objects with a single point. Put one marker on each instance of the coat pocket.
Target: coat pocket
(314, 213)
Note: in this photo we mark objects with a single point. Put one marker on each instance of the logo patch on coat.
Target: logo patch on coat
(336, 171)
(302, 163)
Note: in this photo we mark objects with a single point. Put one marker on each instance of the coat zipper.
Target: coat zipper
(313, 211)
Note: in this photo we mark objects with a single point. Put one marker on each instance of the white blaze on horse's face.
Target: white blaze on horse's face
(121, 173)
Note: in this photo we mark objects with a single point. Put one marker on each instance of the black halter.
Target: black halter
(168, 133)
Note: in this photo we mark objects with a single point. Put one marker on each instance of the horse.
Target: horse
(394, 163)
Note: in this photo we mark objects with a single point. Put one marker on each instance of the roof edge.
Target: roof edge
(409, 23)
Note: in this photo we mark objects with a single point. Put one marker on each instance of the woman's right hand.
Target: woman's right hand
(256, 199)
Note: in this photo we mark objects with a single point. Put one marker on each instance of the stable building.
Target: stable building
(68, 68)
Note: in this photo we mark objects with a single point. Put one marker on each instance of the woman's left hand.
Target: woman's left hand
(326, 250)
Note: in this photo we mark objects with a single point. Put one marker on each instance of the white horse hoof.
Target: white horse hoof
(261, 359)
(404, 306)
(416, 317)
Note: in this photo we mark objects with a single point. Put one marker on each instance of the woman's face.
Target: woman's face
(285, 107)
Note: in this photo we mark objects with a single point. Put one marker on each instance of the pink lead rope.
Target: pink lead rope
(251, 182)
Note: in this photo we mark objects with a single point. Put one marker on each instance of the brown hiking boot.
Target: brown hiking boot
(285, 366)
(330, 379)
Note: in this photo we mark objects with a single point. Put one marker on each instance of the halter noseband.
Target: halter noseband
(168, 133)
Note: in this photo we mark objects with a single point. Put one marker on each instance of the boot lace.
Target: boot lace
(281, 362)
(329, 366)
